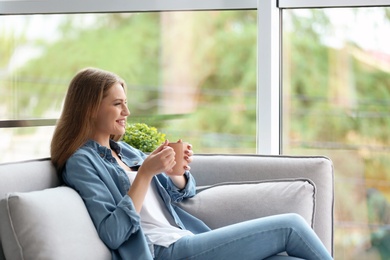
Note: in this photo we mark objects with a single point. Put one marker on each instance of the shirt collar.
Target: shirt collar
(103, 150)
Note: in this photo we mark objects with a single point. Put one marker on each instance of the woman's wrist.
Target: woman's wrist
(180, 181)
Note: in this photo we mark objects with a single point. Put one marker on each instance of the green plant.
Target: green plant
(143, 137)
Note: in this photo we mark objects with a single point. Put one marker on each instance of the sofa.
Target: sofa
(42, 219)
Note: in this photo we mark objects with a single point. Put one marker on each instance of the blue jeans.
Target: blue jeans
(254, 239)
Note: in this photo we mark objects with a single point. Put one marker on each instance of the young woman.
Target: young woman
(129, 195)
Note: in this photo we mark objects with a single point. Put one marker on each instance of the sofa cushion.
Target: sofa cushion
(49, 224)
(227, 203)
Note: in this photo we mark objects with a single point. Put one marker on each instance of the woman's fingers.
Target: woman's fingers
(161, 147)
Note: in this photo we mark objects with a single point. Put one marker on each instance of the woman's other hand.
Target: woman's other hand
(188, 153)
(179, 180)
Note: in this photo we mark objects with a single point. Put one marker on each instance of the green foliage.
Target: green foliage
(225, 75)
(143, 137)
(115, 43)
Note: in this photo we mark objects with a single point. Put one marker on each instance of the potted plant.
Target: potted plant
(143, 137)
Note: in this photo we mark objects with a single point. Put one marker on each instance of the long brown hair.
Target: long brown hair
(75, 125)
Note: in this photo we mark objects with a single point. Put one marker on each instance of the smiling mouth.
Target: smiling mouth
(122, 122)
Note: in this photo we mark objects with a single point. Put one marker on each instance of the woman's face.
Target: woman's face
(112, 114)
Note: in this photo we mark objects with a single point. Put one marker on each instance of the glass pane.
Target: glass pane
(25, 143)
(336, 102)
(190, 74)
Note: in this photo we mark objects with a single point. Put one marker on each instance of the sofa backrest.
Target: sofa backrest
(27, 176)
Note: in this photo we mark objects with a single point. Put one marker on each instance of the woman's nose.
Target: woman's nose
(126, 111)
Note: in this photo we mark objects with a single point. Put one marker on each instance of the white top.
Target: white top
(156, 221)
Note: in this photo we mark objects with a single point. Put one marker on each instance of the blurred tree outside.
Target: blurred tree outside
(156, 53)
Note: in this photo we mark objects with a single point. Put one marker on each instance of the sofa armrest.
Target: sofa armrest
(211, 169)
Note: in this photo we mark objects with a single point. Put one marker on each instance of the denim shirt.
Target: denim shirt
(103, 185)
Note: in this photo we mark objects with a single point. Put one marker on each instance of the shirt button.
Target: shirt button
(102, 155)
(135, 163)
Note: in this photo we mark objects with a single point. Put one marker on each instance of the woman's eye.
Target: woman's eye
(120, 103)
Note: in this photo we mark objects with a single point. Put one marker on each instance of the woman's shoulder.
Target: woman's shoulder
(85, 157)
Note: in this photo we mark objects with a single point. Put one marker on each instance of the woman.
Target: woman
(129, 195)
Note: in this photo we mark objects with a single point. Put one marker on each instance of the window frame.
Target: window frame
(96, 6)
(331, 3)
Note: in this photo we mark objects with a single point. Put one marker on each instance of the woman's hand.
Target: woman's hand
(160, 160)
(188, 153)
(179, 180)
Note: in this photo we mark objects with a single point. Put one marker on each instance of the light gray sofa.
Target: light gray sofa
(40, 219)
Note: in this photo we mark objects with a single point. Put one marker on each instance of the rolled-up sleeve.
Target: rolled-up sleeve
(177, 194)
(112, 213)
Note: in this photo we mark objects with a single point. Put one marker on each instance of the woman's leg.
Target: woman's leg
(254, 239)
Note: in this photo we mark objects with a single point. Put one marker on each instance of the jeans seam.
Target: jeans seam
(306, 243)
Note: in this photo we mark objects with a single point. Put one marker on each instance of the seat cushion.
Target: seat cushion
(49, 224)
(227, 203)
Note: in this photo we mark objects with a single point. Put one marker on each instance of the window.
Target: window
(175, 64)
(336, 102)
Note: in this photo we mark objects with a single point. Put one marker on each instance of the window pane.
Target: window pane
(336, 102)
(190, 74)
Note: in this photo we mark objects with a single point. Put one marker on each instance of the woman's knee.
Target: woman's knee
(294, 219)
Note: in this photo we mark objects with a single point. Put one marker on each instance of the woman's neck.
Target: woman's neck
(102, 140)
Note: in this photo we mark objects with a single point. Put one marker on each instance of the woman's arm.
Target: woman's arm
(179, 181)
(160, 160)
(178, 187)
(113, 212)
(176, 193)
